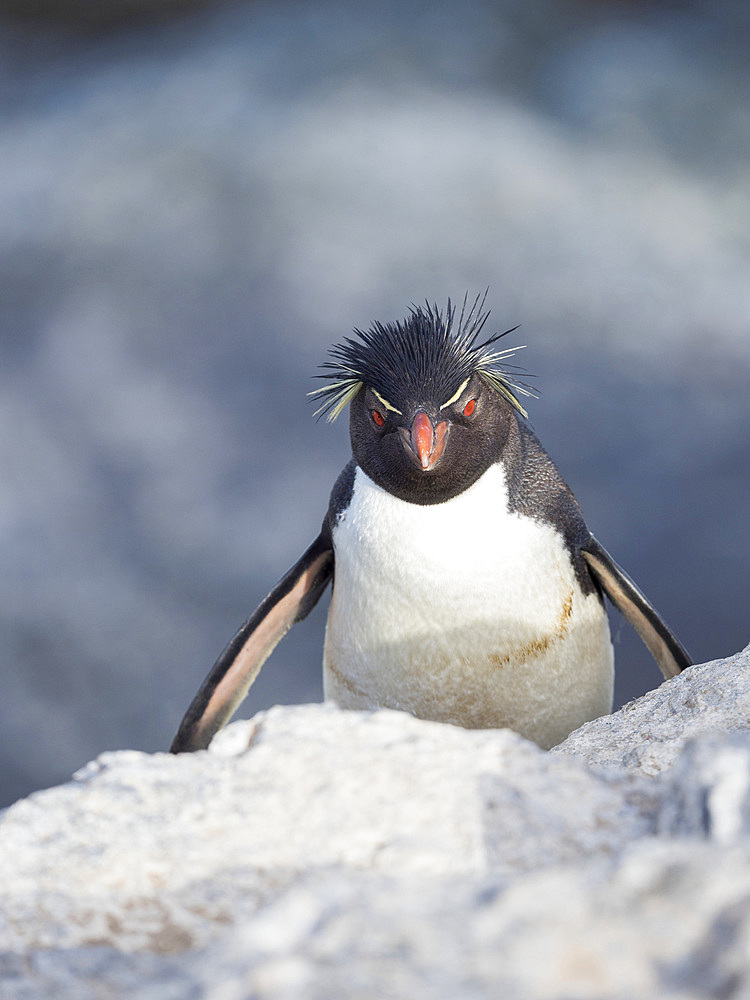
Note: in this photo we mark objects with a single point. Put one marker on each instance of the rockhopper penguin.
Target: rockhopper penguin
(466, 585)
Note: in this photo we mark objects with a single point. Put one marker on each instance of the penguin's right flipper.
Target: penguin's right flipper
(293, 597)
(668, 652)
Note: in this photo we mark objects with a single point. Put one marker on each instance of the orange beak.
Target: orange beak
(424, 444)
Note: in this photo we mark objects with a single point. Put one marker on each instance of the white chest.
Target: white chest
(463, 612)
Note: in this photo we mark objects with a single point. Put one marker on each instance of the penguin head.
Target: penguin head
(430, 409)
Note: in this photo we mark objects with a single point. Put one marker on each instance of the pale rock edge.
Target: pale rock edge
(318, 853)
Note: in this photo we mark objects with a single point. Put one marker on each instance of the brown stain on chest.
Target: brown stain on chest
(529, 650)
(536, 647)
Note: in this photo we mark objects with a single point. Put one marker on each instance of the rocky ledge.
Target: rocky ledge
(314, 853)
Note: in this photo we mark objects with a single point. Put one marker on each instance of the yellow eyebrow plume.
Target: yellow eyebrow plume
(456, 395)
(385, 403)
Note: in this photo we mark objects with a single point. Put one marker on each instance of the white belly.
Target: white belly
(463, 612)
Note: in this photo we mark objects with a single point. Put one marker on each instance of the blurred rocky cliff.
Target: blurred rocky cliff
(321, 854)
(194, 207)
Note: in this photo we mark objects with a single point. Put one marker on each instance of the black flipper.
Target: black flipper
(293, 597)
(669, 654)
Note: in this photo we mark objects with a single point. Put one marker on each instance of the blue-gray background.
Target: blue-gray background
(193, 208)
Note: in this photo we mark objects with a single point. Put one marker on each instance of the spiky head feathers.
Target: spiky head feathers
(429, 354)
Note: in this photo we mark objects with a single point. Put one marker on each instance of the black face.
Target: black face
(433, 449)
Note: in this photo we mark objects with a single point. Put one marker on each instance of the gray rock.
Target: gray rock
(665, 922)
(311, 788)
(647, 735)
(321, 854)
(709, 792)
(668, 921)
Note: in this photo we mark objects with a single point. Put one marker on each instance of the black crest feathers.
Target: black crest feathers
(429, 354)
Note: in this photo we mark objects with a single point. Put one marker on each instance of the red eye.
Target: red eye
(377, 417)
(470, 407)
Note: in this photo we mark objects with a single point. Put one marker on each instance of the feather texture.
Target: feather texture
(426, 356)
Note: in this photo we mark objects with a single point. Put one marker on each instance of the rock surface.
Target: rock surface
(647, 734)
(318, 853)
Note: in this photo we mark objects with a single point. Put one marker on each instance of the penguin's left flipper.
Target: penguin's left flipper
(293, 597)
(668, 652)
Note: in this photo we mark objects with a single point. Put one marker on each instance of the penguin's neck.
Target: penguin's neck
(445, 553)
(439, 533)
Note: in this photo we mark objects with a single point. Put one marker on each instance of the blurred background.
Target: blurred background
(196, 200)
